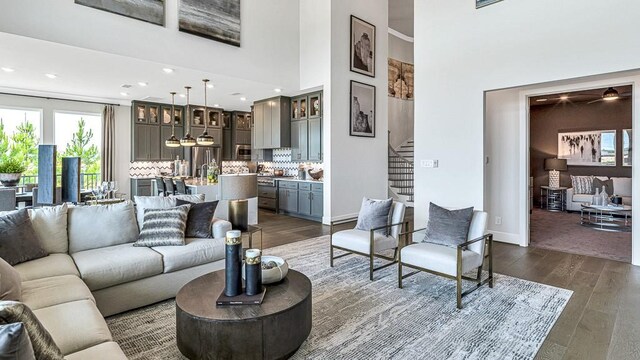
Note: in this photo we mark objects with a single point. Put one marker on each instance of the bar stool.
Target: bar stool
(181, 187)
(169, 187)
(162, 190)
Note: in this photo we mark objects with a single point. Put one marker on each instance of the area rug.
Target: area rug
(561, 231)
(354, 318)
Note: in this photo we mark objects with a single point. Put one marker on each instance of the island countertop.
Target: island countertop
(297, 180)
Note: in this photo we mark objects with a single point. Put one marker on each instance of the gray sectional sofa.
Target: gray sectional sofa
(93, 271)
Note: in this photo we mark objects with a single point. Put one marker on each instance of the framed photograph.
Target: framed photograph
(407, 81)
(627, 138)
(151, 11)
(588, 148)
(363, 47)
(395, 78)
(218, 20)
(362, 121)
(482, 3)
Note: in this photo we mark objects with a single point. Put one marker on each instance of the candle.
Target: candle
(253, 271)
(233, 263)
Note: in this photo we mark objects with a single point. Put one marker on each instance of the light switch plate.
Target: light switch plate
(429, 163)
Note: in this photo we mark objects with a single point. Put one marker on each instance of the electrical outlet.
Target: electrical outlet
(429, 163)
(498, 220)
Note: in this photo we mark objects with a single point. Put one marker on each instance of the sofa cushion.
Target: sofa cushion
(92, 227)
(359, 240)
(439, 258)
(54, 290)
(43, 343)
(52, 265)
(105, 351)
(10, 282)
(161, 202)
(606, 184)
(15, 343)
(164, 227)
(582, 198)
(200, 218)
(50, 223)
(621, 186)
(113, 265)
(18, 240)
(196, 252)
(74, 326)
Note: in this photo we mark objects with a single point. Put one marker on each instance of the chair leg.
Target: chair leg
(459, 280)
(371, 266)
(399, 274)
(491, 261)
(479, 275)
(330, 255)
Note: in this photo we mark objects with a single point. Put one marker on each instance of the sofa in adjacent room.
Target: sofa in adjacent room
(621, 187)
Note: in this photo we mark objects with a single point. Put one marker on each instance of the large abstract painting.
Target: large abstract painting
(482, 3)
(146, 10)
(214, 19)
(588, 148)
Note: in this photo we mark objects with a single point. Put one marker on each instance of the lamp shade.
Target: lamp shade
(555, 164)
(238, 187)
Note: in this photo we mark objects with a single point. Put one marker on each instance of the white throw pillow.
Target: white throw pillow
(92, 227)
(160, 202)
(50, 224)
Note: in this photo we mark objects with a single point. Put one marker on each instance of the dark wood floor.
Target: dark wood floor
(601, 321)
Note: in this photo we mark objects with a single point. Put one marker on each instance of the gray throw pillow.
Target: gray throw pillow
(200, 218)
(448, 227)
(18, 239)
(608, 186)
(163, 227)
(10, 283)
(43, 345)
(373, 214)
(15, 343)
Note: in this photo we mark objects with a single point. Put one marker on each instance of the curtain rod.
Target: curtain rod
(61, 99)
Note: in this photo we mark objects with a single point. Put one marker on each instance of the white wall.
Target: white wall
(269, 37)
(358, 165)
(49, 107)
(401, 112)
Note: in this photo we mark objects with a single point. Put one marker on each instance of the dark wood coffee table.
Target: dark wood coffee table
(273, 330)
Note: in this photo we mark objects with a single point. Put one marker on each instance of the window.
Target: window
(20, 133)
(79, 135)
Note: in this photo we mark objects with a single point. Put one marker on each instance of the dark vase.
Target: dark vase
(253, 272)
(233, 264)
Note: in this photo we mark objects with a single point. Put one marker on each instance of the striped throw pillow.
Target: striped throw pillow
(582, 184)
(163, 227)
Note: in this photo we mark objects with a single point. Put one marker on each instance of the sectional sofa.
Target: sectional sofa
(621, 187)
(92, 270)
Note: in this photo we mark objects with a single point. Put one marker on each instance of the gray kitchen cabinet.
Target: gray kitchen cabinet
(300, 199)
(288, 200)
(141, 187)
(146, 142)
(267, 197)
(317, 205)
(315, 139)
(258, 125)
(299, 138)
(304, 202)
(272, 125)
(154, 142)
(306, 127)
(151, 126)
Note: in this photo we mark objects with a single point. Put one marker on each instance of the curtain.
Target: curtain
(108, 143)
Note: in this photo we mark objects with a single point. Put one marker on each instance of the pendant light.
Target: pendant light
(610, 94)
(173, 141)
(188, 140)
(205, 138)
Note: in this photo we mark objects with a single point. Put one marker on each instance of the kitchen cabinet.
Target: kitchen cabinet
(301, 199)
(146, 140)
(267, 195)
(272, 124)
(168, 153)
(299, 138)
(141, 187)
(306, 128)
(227, 152)
(151, 126)
(315, 139)
(288, 200)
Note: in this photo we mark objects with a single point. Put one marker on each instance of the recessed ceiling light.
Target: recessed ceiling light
(51, 76)
(182, 95)
(210, 86)
(7, 69)
(541, 100)
(124, 94)
(243, 99)
(564, 97)
(142, 83)
(277, 90)
(216, 105)
(167, 70)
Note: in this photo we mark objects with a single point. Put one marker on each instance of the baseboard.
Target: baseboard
(505, 237)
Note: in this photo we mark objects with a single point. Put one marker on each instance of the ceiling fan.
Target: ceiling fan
(610, 94)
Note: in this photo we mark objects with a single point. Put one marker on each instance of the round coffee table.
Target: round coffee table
(273, 330)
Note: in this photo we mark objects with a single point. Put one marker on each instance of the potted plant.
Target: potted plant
(10, 172)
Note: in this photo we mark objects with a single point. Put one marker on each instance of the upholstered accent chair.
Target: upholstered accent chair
(452, 262)
(370, 243)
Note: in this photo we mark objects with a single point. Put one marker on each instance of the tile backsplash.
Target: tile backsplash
(147, 169)
(281, 160)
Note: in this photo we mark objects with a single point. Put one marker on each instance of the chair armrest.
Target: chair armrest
(412, 231)
(219, 228)
(343, 221)
(569, 192)
(386, 226)
(483, 237)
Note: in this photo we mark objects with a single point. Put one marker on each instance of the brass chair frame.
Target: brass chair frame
(371, 255)
(488, 254)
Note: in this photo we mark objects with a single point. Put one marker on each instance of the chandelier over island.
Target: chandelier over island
(188, 140)
(173, 141)
(205, 138)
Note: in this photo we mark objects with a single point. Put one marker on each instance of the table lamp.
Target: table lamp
(237, 189)
(554, 166)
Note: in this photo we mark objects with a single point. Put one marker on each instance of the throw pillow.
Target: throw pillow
(161, 202)
(43, 345)
(15, 343)
(373, 214)
(50, 223)
(163, 227)
(608, 185)
(115, 224)
(448, 227)
(200, 218)
(18, 240)
(582, 184)
(10, 282)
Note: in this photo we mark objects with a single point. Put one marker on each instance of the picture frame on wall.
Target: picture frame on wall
(483, 3)
(627, 148)
(362, 118)
(363, 47)
(151, 11)
(588, 148)
(217, 20)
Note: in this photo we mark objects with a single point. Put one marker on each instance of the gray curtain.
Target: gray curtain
(108, 143)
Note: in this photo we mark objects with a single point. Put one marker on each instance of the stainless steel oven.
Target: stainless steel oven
(242, 152)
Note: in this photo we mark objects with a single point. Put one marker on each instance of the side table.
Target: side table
(553, 198)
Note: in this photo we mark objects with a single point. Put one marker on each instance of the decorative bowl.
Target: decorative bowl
(277, 273)
(316, 175)
(10, 179)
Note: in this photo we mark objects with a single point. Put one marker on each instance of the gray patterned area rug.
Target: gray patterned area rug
(354, 318)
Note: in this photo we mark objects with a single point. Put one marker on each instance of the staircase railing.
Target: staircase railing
(400, 172)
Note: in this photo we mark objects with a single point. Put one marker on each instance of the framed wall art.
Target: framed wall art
(588, 148)
(151, 11)
(363, 47)
(218, 20)
(362, 120)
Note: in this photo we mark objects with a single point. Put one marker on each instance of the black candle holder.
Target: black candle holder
(233, 263)
(253, 272)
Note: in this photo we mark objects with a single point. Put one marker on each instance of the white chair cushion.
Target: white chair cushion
(358, 240)
(621, 186)
(160, 202)
(582, 198)
(48, 266)
(113, 265)
(195, 252)
(439, 258)
(105, 351)
(93, 227)
(50, 223)
(40, 293)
